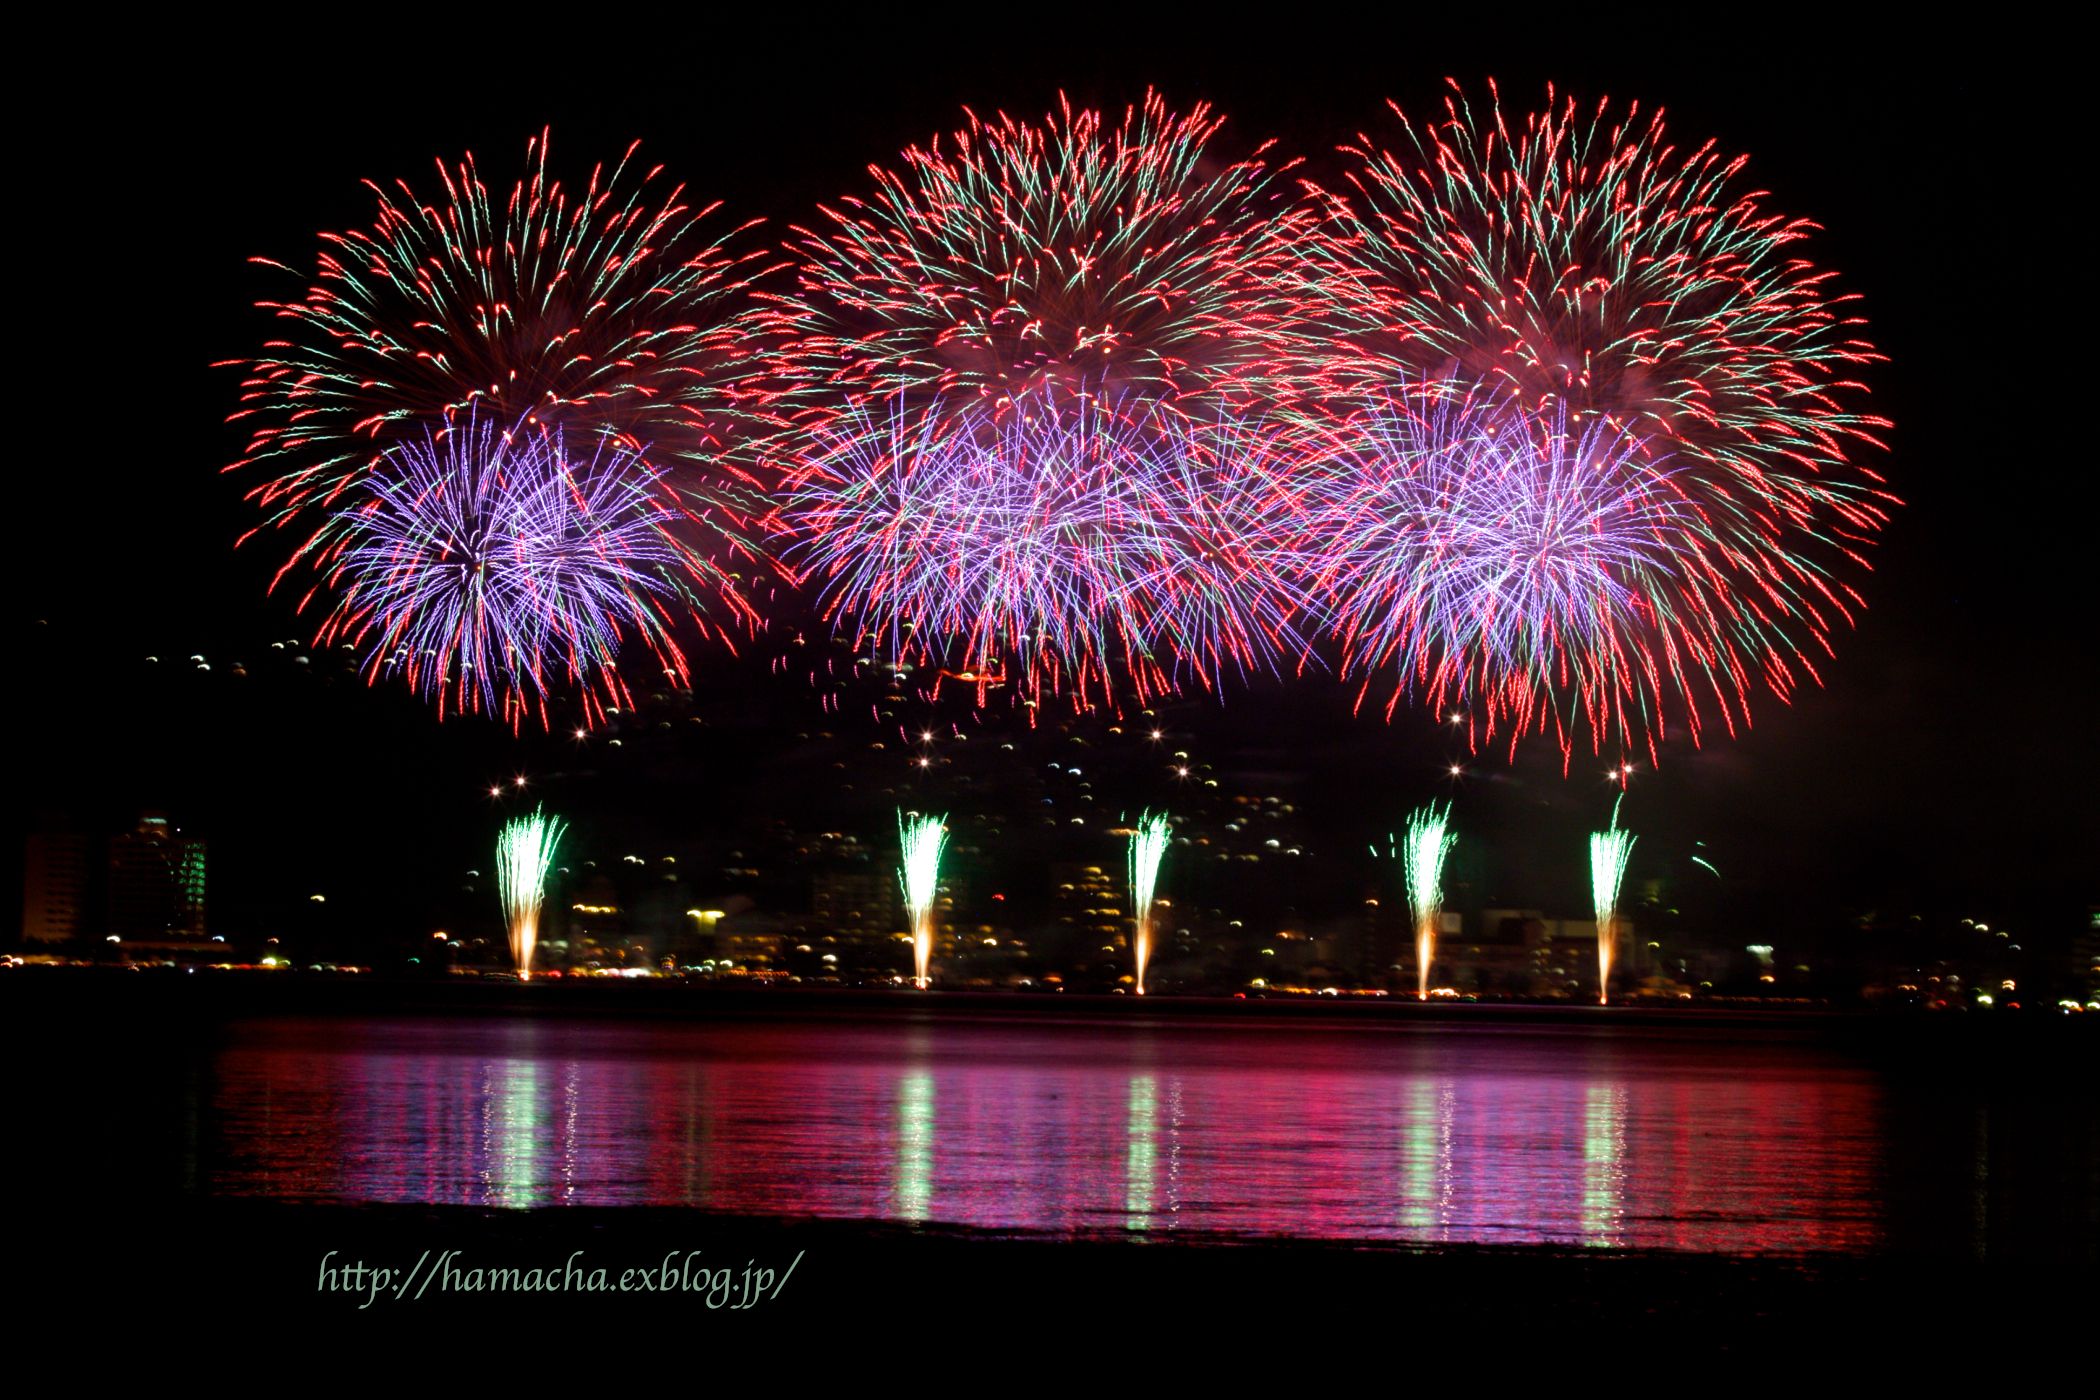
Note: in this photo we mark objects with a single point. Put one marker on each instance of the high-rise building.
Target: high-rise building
(1382, 948)
(1088, 901)
(857, 904)
(2085, 957)
(54, 886)
(156, 883)
(857, 923)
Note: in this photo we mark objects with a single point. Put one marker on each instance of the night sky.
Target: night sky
(1948, 765)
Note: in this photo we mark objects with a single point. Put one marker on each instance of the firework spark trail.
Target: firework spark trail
(603, 309)
(1148, 848)
(1209, 555)
(1422, 855)
(1072, 255)
(490, 565)
(921, 842)
(524, 856)
(1609, 852)
(1582, 270)
(1080, 545)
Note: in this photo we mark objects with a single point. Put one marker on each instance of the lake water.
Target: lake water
(1607, 1136)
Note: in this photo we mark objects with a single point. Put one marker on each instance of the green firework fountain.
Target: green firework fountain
(1148, 847)
(524, 855)
(921, 840)
(1609, 851)
(1422, 855)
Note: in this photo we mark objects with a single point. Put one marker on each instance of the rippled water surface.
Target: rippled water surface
(1606, 1137)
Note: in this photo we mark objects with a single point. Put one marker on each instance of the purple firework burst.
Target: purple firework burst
(1533, 576)
(1080, 544)
(491, 568)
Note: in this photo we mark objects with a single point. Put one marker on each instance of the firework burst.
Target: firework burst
(1557, 581)
(487, 568)
(1077, 254)
(1074, 544)
(1577, 268)
(524, 856)
(615, 308)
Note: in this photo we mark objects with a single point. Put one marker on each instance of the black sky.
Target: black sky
(1949, 759)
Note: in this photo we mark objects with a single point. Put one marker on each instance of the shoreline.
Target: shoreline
(844, 1278)
(246, 994)
(41, 1008)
